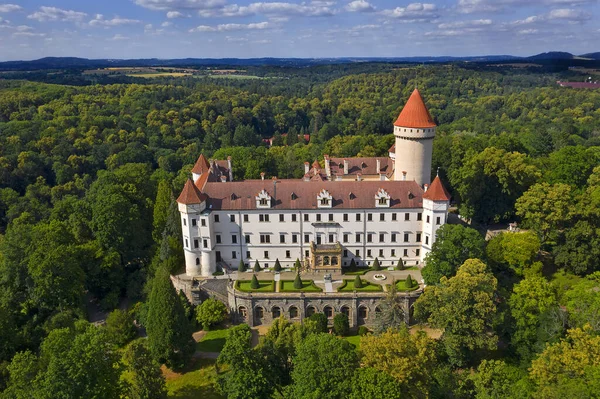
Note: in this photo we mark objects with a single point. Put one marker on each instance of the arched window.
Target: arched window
(328, 310)
(197, 261)
(326, 260)
(259, 312)
(363, 312)
(243, 312)
(276, 312)
(334, 260)
(293, 312)
(345, 310)
(310, 311)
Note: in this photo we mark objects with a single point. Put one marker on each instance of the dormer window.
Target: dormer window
(263, 199)
(382, 199)
(294, 196)
(324, 199)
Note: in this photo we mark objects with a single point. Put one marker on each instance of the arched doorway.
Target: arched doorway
(243, 312)
(310, 311)
(328, 310)
(363, 315)
(259, 314)
(345, 310)
(293, 312)
(276, 312)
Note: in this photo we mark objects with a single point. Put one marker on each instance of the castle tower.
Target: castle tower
(414, 131)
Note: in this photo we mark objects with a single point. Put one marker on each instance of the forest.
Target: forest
(88, 177)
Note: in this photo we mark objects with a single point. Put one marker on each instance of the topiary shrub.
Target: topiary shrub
(242, 266)
(341, 325)
(409, 281)
(376, 264)
(352, 265)
(362, 330)
(257, 266)
(297, 265)
(358, 282)
(321, 322)
(254, 283)
(298, 282)
(400, 265)
(277, 267)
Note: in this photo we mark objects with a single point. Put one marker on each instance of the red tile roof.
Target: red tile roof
(190, 194)
(437, 191)
(392, 148)
(201, 166)
(365, 166)
(242, 195)
(415, 113)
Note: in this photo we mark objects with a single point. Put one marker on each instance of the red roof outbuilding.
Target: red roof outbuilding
(415, 113)
(437, 191)
(190, 194)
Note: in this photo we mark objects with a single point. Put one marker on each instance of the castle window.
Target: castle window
(357, 237)
(418, 237)
(306, 253)
(203, 222)
(407, 216)
(324, 199)
(216, 218)
(369, 253)
(382, 201)
(394, 217)
(405, 253)
(266, 254)
(369, 217)
(293, 312)
(418, 252)
(259, 312)
(184, 222)
(282, 238)
(318, 217)
(331, 238)
(346, 237)
(205, 243)
(218, 238)
(248, 255)
(243, 312)
(276, 312)
(193, 222)
(293, 217)
(232, 218)
(405, 237)
(427, 218)
(393, 253)
(264, 202)
(233, 255)
(334, 260)
(294, 196)
(294, 238)
(370, 237)
(345, 217)
(358, 253)
(358, 217)
(234, 239)
(288, 254)
(328, 312)
(281, 217)
(196, 244)
(381, 237)
(263, 199)
(186, 243)
(393, 237)
(246, 218)
(381, 253)
(426, 240)
(437, 220)
(197, 261)
(306, 238)
(263, 218)
(331, 217)
(310, 311)
(306, 217)
(382, 217)
(247, 238)
(265, 239)
(419, 216)
(345, 253)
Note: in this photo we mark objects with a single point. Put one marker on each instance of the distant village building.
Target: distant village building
(342, 210)
(580, 85)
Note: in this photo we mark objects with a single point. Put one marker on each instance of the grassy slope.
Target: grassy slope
(196, 381)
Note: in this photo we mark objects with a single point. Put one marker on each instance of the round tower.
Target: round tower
(414, 131)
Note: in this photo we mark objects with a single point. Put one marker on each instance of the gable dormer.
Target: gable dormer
(263, 199)
(324, 199)
(382, 199)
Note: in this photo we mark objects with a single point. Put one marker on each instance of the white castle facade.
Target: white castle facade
(348, 209)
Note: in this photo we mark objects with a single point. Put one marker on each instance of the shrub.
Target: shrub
(120, 327)
(257, 266)
(277, 267)
(210, 313)
(298, 282)
(341, 325)
(242, 266)
(376, 264)
(321, 322)
(254, 284)
(297, 265)
(400, 265)
(358, 282)
(409, 281)
(352, 264)
(362, 330)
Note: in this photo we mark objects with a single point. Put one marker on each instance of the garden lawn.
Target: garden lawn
(307, 286)
(264, 286)
(354, 340)
(348, 286)
(401, 286)
(357, 272)
(213, 341)
(198, 380)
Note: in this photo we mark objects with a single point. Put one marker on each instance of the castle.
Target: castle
(346, 209)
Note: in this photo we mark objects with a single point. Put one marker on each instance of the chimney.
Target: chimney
(306, 167)
(345, 167)
(223, 178)
(378, 166)
(327, 170)
(403, 175)
(230, 168)
(262, 175)
(425, 187)
(358, 177)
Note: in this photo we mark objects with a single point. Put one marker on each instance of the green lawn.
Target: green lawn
(197, 381)
(357, 272)
(307, 286)
(348, 286)
(354, 340)
(265, 286)
(213, 341)
(401, 286)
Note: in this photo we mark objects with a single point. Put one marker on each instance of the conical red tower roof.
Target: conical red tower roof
(190, 194)
(415, 113)
(437, 191)
(201, 166)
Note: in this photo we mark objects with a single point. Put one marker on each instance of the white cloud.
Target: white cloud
(360, 6)
(119, 37)
(166, 24)
(414, 12)
(23, 28)
(569, 14)
(171, 5)
(99, 20)
(313, 9)
(10, 8)
(57, 14)
(176, 14)
(463, 24)
(28, 34)
(527, 31)
(231, 27)
(236, 39)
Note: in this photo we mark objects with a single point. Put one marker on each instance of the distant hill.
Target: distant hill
(84, 63)
(552, 55)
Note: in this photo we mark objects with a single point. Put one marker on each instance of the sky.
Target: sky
(31, 29)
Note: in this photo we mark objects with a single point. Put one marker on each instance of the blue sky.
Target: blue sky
(31, 29)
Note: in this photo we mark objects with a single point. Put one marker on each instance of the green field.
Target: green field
(348, 286)
(233, 77)
(213, 341)
(197, 381)
(401, 286)
(307, 286)
(159, 75)
(264, 286)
